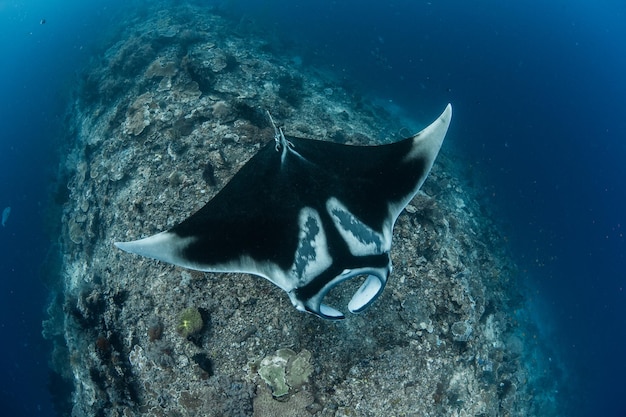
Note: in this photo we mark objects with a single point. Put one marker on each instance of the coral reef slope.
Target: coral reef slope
(173, 109)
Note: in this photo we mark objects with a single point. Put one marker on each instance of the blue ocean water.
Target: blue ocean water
(39, 64)
(540, 121)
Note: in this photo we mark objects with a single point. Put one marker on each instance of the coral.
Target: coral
(190, 322)
(272, 371)
(299, 369)
(155, 332)
(296, 406)
(134, 53)
(75, 232)
(137, 358)
(189, 92)
(138, 115)
(461, 331)
(290, 89)
(158, 68)
(223, 111)
(286, 371)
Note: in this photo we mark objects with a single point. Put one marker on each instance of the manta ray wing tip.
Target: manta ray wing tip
(122, 245)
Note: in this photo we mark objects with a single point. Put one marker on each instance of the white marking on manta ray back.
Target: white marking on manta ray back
(311, 257)
(361, 239)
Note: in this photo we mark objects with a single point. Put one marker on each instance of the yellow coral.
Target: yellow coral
(190, 322)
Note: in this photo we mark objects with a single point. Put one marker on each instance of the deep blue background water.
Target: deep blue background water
(38, 65)
(539, 96)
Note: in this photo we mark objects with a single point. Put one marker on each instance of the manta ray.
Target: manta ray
(306, 215)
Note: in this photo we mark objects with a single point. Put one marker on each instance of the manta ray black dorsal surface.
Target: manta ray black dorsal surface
(306, 215)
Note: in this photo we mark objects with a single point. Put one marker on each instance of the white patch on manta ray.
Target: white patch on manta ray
(311, 257)
(361, 239)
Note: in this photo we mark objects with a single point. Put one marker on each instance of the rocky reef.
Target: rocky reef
(161, 122)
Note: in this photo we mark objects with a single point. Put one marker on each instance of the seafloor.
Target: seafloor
(162, 120)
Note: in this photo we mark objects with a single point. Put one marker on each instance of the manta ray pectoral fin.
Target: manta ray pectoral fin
(164, 246)
(423, 151)
(426, 143)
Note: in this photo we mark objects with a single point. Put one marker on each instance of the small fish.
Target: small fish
(5, 215)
